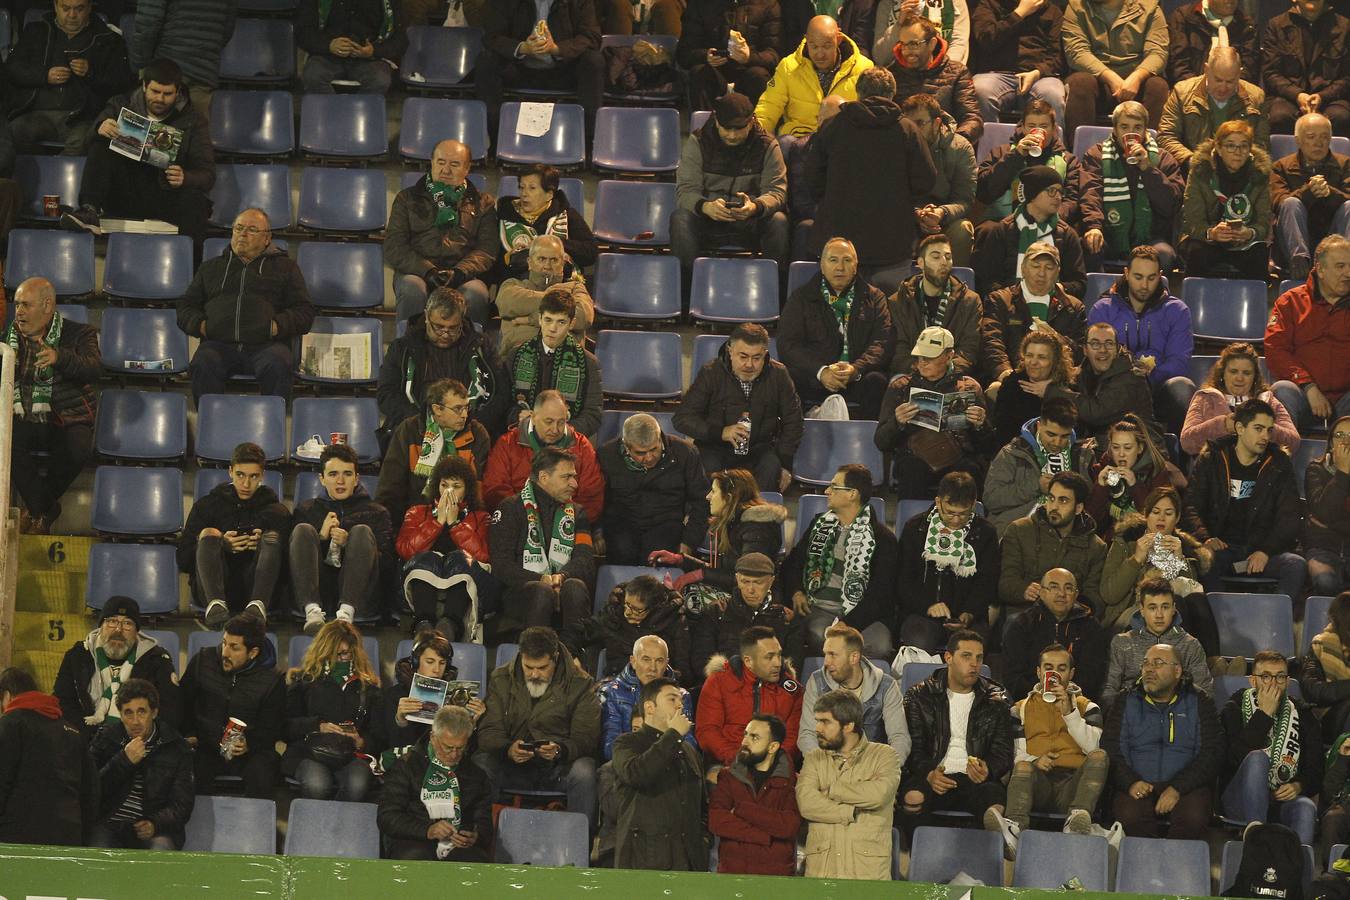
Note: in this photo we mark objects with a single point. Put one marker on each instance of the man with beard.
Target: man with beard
(936, 297)
(753, 807)
(846, 792)
(660, 784)
(1058, 534)
(846, 668)
(953, 191)
(542, 727)
(753, 683)
(94, 669)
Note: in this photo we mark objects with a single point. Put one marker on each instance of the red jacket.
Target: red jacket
(508, 468)
(727, 702)
(758, 831)
(1308, 339)
(420, 531)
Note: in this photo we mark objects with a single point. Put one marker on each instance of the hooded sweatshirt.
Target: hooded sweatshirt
(883, 708)
(1012, 487)
(1129, 648)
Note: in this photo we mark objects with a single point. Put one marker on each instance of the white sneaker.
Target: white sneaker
(311, 449)
(216, 614)
(346, 613)
(1007, 827)
(313, 619)
(257, 608)
(1079, 821)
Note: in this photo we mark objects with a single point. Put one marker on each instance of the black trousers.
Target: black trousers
(70, 447)
(124, 188)
(628, 545)
(493, 74)
(260, 768)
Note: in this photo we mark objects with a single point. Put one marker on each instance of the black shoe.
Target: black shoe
(86, 218)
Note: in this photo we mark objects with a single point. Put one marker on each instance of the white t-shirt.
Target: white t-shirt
(958, 706)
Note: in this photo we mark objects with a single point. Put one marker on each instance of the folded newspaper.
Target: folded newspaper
(340, 356)
(141, 138)
(941, 412)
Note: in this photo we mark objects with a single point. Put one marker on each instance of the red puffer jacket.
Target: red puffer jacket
(727, 702)
(420, 532)
(508, 468)
(758, 831)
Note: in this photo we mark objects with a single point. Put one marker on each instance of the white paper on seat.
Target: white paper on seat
(535, 119)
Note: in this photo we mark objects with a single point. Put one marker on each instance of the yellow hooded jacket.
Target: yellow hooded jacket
(791, 102)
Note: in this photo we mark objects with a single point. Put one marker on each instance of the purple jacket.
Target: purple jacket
(1163, 331)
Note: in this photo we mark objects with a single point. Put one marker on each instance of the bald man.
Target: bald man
(442, 233)
(1310, 193)
(1196, 107)
(518, 298)
(57, 362)
(825, 62)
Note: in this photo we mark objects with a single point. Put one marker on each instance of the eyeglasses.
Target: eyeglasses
(458, 409)
(249, 230)
(1235, 148)
(121, 623)
(447, 330)
(1101, 345)
(914, 45)
(635, 611)
(1341, 436)
(836, 488)
(1267, 677)
(1060, 588)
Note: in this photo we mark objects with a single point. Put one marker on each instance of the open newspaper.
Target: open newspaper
(141, 138)
(341, 356)
(941, 412)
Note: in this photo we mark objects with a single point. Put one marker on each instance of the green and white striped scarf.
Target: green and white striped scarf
(1285, 747)
(40, 394)
(1129, 217)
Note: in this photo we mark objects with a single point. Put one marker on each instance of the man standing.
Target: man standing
(835, 335)
(1310, 193)
(826, 62)
(192, 34)
(556, 359)
(954, 190)
(922, 65)
(1057, 534)
(1308, 340)
(1057, 617)
(755, 682)
(1197, 106)
(1036, 297)
(846, 668)
(752, 809)
(1017, 57)
(1019, 477)
(1303, 65)
(660, 783)
(442, 233)
(56, 365)
(548, 426)
(94, 670)
(1108, 387)
(518, 299)
(1163, 740)
(1001, 246)
(1194, 31)
(351, 40)
(936, 297)
(246, 305)
(846, 792)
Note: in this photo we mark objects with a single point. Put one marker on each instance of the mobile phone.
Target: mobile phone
(1233, 223)
(735, 202)
(532, 745)
(644, 235)
(716, 52)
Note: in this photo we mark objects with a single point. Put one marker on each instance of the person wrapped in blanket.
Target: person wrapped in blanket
(395, 734)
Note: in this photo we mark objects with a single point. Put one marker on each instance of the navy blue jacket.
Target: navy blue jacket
(1174, 744)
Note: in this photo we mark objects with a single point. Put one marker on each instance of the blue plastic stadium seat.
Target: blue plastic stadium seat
(373, 329)
(637, 140)
(625, 211)
(1084, 137)
(799, 273)
(223, 420)
(1156, 866)
(827, 444)
(206, 480)
(136, 501)
(542, 837)
(1098, 284)
(698, 118)
(239, 187)
(342, 275)
(1226, 309)
(938, 854)
(1315, 613)
(469, 660)
(64, 258)
(38, 176)
(1249, 623)
(252, 123)
(659, 376)
(914, 672)
(563, 145)
(344, 200)
(996, 134)
(147, 266)
(144, 571)
(505, 653)
(260, 50)
(141, 425)
(608, 577)
(232, 824)
(1282, 145)
(509, 186)
(131, 336)
(611, 424)
(358, 417)
(637, 286)
(1200, 367)
(966, 275)
(429, 120)
(1048, 859)
(439, 57)
(348, 126)
(1309, 449)
(1232, 858)
(307, 486)
(734, 290)
(667, 42)
(333, 829)
(707, 346)
(168, 640)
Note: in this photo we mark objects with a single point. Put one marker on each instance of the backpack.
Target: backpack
(1334, 884)
(1272, 864)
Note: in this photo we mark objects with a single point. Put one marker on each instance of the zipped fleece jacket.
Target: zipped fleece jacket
(38, 50)
(757, 827)
(883, 708)
(1129, 648)
(1162, 330)
(989, 731)
(239, 301)
(568, 714)
(731, 695)
(946, 81)
(1307, 339)
(791, 102)
(1176, 744)
(1275, 517)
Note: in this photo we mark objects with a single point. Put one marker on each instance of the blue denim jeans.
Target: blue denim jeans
(575, 779)
(1248, 799)
(318, 782)
(1288, 569)
(1293, 239)
(1296, 403)
(997, 93)
(410, 298)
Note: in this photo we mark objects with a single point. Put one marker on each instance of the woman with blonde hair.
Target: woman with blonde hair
(1046, 359)
(330, 697)
(1235, 378)
(1130, 468)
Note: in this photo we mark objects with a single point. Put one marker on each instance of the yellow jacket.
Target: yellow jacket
(793, 96)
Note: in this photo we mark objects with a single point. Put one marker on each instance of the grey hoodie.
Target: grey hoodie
(1129, 647)
(883, 709)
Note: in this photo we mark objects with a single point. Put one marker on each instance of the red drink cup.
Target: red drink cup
(51, 205)
(234, 730)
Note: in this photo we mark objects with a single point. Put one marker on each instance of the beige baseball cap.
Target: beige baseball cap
(933, 341)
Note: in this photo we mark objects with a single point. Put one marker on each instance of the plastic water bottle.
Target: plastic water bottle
(742, 447)
(334, 557)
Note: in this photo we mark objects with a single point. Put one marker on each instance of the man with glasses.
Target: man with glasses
(1057, 617)
(1057, 535)
(655, 493)
(95, 668)
(1164, 742)
(1001, 245)
(1108, 387)
(1273, 764)
(1308, 340)
(246, 305)
(922, 63)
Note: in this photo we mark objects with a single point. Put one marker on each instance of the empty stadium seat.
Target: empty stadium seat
(563, 145)
(1232, 859)
(1309, 449)
(147, 266)
(1048, 859)
(137, 502)
(469, 660)
(996, 134)
(342, 275)
(542, 837)
(611, 424)
(206, 480)
(232, 824)
(371, 329)
(827, 444)
(938, 854)
(38, 176)
(130, 337)
(1249, 623)
(636, 140)
(239, 187)
(332, 828)
(307, 486)
(505, 653)
(1315, 615)
(1098, 285)
(608, 577)
(1282, 145)
(633, 214)
(637, 286)
(344, 126)
(252, 123)
(734, 290)
(223, 418)
(148, 572)
(1226, 309)
(659, 377)
(509, 186)
(141, 425)
(259, 51)
(64, 258)
(357, 417)
(800, 272)
(342, 200)
(1087, 135)
(169, 641)
(439, 57)
(966, 275)
(698, 118)
(1157, 866)
(427, 121)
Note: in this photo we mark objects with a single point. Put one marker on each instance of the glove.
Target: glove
(664, 558)
(438, 278)
(688, 578)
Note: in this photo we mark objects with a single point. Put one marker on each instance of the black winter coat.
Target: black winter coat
(1003, 42)
(360, 20)
(573, 23)
(995, 257)
(239, 301)
(167, 796)
(255, 695)
(195, 154)
(1007, 319)
(660, 787)
(579, 243)
(507, 541)
(77, 671)
(412, 362)
(921, 584)
(1102, 398)
(809, 338)
(1035, 627)
(989, 732)
(221, 508)
(715, 632)
(402, 815)
(946, 81)
(1240, 739)
(616, 635)
(675, 489)
(310, 702)
(48, 781)
(1191, 36)
(37, 50)
(706, 24)
(1275, 517)
(878, 603)
(358, 509)
(715, 400)
(78, 368)
(1328, 492)
(1298, 56)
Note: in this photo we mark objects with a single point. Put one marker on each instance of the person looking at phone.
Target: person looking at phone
(231, 545)
(1225, 214)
